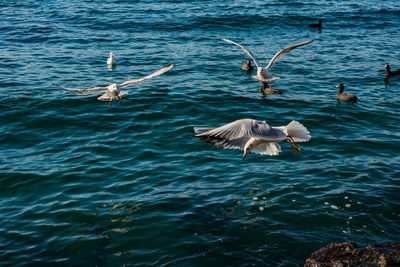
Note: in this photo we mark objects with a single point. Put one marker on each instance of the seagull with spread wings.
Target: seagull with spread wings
(113, 91)
(253, 136)
(263, 74)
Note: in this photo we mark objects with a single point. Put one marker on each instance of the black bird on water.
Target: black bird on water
(267, 91)
(316, 25)
(345, 97)
(391, 73)
(247, 66)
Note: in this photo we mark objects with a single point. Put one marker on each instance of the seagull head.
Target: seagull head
(248, 147)
(111, 54)
(113, 90)
(259, 72)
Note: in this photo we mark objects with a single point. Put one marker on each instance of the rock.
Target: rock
(348, 254)
(335, 254)
(382, 254)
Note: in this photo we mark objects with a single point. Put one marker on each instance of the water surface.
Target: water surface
(85, 184)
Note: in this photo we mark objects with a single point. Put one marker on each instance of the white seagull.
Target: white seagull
(111, 61)
(253, 136)
(263, 74)
(113, 91)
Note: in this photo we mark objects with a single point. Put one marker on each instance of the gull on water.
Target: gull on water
(263, 74)
(111, 61)
(113, 91)
(253, 136)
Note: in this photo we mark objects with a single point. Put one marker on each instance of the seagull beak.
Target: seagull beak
(244, 155)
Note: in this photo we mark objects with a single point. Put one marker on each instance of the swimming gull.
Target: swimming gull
(263, 74)
(253, 136)
(111, 61)
(113, 91)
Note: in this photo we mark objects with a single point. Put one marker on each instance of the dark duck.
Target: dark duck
(345, 97)
(247, 66)
(270, 91)
(316, 25)
(391, 73)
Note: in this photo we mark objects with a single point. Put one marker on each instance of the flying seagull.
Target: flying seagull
(253, 136)
(263, 74)
(113, 91)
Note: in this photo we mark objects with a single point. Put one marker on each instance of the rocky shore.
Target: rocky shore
(349, 254)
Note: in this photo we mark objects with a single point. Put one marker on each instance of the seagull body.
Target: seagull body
(111, 60)
(345, 97)
(263, 74)
(113, 91)
(253, 136)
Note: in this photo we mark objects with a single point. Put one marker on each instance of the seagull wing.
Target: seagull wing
(284, 51)
(93, 90)
(198, 130)
(237, 143)
(245, 50)
(244, 128)
(154, 74)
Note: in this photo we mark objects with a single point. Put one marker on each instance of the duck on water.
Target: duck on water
(247, 65)
(391, 73)
(345, 97)
(316, 25)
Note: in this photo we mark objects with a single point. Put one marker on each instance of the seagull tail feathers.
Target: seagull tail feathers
(297, 131)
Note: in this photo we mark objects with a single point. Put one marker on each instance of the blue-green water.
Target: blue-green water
(85, 184)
